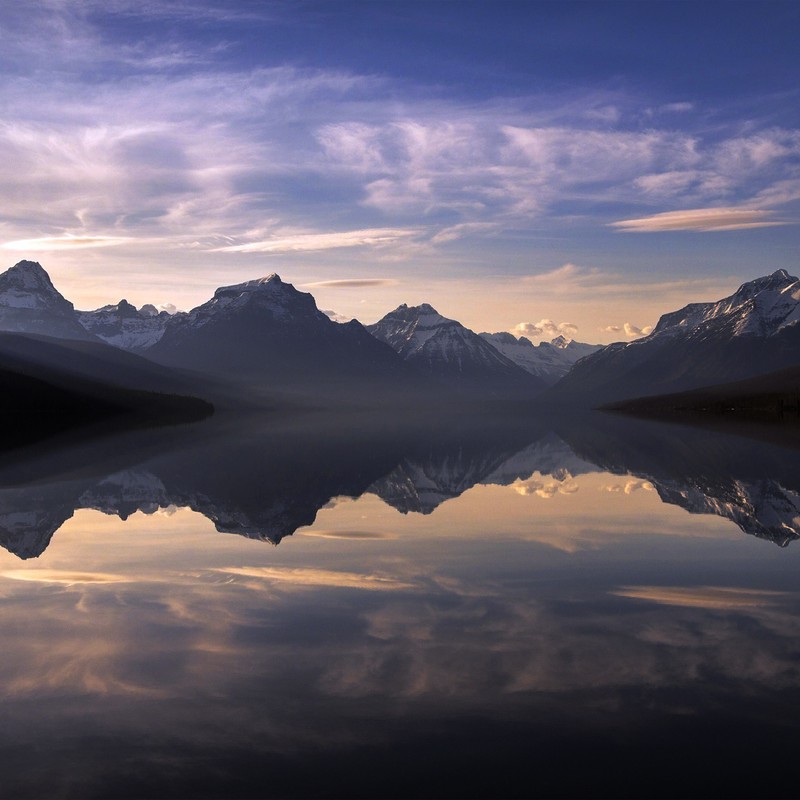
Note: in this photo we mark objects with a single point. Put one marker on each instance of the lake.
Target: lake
(349, 606)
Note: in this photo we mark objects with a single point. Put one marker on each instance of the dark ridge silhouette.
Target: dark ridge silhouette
(50, 386)
(773, 397)
(265, 332)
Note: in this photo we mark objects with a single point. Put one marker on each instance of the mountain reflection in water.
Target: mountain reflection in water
(517, 608)
(266, 482)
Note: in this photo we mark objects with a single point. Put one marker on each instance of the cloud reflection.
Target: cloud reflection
(299, 577)
(65, 577)
(710, 597)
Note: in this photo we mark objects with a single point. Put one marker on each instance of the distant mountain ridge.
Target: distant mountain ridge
(267, 333)
(549, 361)
(751, 332)
(125, 326)
(450, 353)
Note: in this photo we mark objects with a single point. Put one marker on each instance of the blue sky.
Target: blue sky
(555, 166)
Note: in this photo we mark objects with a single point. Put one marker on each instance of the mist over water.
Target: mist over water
(354, 605)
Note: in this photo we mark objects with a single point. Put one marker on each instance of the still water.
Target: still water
(348, 607)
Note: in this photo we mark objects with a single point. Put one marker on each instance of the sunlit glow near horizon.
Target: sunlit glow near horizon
(158, 151)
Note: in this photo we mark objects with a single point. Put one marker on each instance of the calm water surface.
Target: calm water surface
(328, 607)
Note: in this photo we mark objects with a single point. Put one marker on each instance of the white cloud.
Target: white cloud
(351, 283)
(303, 242)
(63, 243)
(173, 147)
(336, 317)
(743, 155)
(630, 330)
(461, 230)
(700, 219)
(545, 327)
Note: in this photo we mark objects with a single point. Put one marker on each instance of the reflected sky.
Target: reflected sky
(458, 616)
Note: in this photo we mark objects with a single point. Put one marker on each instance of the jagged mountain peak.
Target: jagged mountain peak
(450, 352)
(27, 276)
(424, 310)
(269, 283)
(549, 361)
(269, 294)
(776, 281)
(123, 308)
(125, 326)
(763, 306)
(750, 332)
(29, 303)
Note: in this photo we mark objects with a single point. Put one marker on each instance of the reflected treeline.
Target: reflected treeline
(265, 481)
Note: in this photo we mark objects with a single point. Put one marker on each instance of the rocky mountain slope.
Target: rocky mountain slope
(451, 354)
(751, 332)
(549, 361)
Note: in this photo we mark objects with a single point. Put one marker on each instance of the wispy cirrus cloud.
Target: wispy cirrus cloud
(305, 242)
(700, 219)
(351, 283)
(63, 577)
(49, 243)
(179, 149)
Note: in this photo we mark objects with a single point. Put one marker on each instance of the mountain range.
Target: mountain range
(264, 332)
(752, 332)
(264, 482)
(449, 353)
(264, 335)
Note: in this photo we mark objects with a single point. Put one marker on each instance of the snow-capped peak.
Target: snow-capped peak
(269, 294)
(424, 314)
(547, 360)
(273, 280)
(29, 275)
(407, 329)
(270, 284)
(27, 285)
(122, 325)
(778, 280)
(762, 306)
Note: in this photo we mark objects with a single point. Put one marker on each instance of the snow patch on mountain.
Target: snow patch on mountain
(26, 285)
(29, 303)
(125, 326)
(270, 295)
(762, 307)
(450, 352)
(547, 360)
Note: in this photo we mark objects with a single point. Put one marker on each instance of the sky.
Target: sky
(539, 167)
